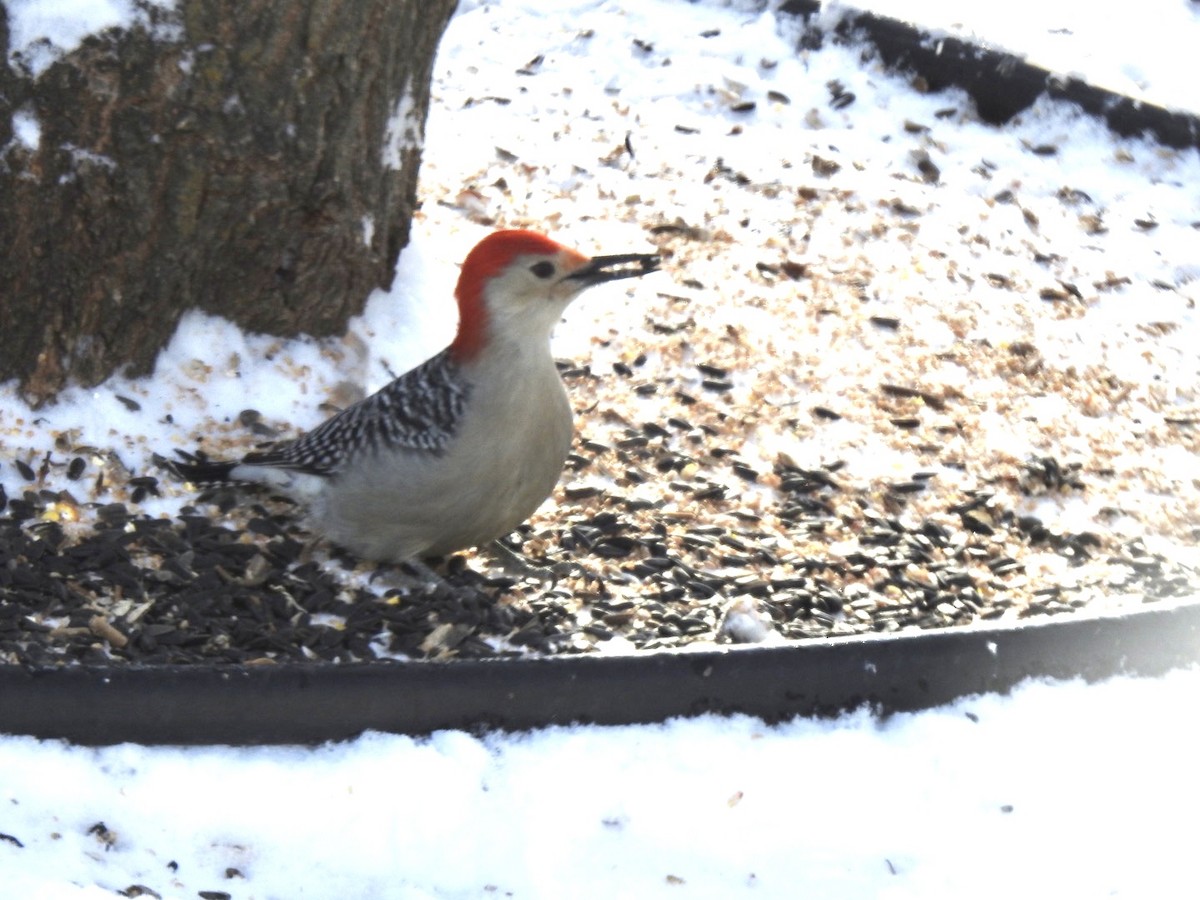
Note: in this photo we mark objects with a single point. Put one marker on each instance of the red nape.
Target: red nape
(488, 258)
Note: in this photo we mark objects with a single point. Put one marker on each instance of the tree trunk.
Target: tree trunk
(256, 159)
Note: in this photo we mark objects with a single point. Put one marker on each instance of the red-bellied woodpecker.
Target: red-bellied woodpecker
(463, 448)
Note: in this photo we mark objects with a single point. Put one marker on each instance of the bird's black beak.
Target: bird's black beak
(622, 265)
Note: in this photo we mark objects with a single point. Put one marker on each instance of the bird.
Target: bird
(460, 450)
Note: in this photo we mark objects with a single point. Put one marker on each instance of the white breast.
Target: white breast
(505, 459)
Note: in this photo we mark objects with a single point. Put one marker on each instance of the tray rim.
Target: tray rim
(292, 703)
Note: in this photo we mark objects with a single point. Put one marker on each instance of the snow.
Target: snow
(403, 131)
(1059, 790)
(27, 129)
(1065, 790)
(41, 31)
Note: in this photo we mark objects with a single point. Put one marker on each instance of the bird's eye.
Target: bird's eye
(542, 269)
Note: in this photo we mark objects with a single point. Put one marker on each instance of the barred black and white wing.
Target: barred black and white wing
(419, 411)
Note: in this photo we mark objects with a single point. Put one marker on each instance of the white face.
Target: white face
(532, 293)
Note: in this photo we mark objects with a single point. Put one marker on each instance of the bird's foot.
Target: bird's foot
(515, 564)
(419, 578)
(413, 576)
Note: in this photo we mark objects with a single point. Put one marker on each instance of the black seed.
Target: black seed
(146, 481)
(899, 390)
(906, 422)
(577, 462)
(582, 492)
(793, 270)
(973, 502)
(978, 522)
(25, 470)
(615, 547)
(928, 169)
(684, 398)
(744, 471)
(714, 384)
(129, 403)
(264, 527)
(730, 540)
(113, 512)
(76, 467)
(825, 167)
(21, 509)
(885, 322)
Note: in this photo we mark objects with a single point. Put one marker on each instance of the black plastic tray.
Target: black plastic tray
(1001, 83)
(308, 704)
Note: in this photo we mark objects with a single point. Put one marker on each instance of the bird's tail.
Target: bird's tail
(202, 471)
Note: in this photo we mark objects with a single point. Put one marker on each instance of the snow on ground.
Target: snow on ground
(1058, 791)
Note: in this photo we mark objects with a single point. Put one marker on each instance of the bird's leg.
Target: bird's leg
(408, 577)
(414, 576)
(422, 573)
(515, 564)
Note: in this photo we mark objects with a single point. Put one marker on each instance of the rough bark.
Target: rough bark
(256, 159)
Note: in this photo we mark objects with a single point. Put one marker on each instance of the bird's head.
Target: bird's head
(518, 283)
